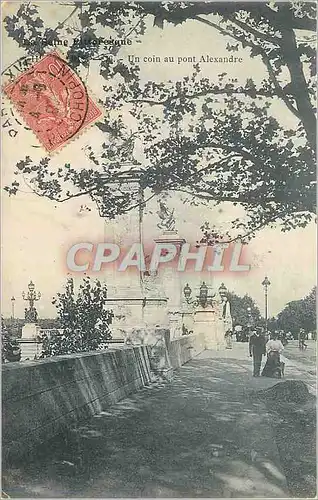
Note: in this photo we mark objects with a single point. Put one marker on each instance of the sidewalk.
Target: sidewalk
(198, 436)
(294, 369)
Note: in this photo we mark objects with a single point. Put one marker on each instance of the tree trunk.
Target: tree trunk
(299, 85)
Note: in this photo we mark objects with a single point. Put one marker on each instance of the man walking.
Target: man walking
(257, 348)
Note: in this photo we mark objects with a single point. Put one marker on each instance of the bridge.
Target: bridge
(209, 431)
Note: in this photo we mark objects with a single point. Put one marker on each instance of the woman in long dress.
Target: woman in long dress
(274, 348)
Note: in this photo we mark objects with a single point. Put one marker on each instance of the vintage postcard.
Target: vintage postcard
(158, 310)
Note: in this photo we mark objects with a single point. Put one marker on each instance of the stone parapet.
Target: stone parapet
(41, 398)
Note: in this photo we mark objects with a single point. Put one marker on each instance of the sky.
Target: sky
(37, 232)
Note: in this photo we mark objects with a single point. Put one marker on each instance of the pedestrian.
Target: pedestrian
(228, 339)
(257, 349)
(274, 367)
(283, 338)
(301, 339)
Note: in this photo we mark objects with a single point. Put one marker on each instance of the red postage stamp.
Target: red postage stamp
(53, 101)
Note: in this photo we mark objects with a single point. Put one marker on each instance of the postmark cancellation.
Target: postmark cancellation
(52, 101)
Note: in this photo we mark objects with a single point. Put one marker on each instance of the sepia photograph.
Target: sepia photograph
(158, 249)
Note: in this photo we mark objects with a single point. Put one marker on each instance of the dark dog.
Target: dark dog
(279, 371)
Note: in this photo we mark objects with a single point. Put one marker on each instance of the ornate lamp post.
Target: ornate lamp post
(203, 299)
(32, 296)
(12, 306)
(266, 283)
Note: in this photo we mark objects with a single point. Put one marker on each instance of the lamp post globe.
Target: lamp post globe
(222, 290)
(266, 283)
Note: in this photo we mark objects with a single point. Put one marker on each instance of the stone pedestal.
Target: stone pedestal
(175, 323)
(30, 348)
(30, 342)
(168, 274)
(208, 323)
(30, 331)
(169, 278)
(127, 307)
(159, 340)
(188, 318)
(155, 312)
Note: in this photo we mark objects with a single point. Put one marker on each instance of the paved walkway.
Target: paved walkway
(198, 436)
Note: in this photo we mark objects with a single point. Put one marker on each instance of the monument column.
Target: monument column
(125, 295)
(168, 274)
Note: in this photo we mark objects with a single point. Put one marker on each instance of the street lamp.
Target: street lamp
(266, 284)
(203, 295)
(187, 292)
(203, 299)
(31, 296)
(249, 319)
(12, 306)
(223, 290)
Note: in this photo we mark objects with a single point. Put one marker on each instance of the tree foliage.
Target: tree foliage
(10, 349)
(299, 314)
(212, 140)
(244, 311)
(83, 319)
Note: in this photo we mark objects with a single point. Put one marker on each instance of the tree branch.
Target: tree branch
(279, 90)
(219, 162)
(211, 197)
(215, 91)
(225, 9)
(253, 31)
(299, 85)
(61, 24)
(217, 27)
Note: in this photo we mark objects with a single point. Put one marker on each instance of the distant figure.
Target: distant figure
(301, 339)
(283, 338)
(257, 350)
(228, 339)
(273, 367)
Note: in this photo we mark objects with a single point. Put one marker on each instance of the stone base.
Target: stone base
(137, 313)
(155, 312)
(207, 323)
(30, 349)
(170, 237)
(188, 320)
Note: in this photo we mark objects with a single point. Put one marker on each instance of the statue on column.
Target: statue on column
(226, 313)
(166, 216)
